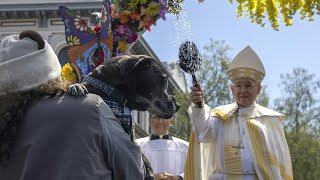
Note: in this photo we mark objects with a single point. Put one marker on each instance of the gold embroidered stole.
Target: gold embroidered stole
(192, 169)
(232, 158)
(264, 158)
(258, 148)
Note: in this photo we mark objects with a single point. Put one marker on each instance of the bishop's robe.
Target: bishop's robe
(229, 142)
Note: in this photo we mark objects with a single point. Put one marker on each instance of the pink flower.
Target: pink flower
(121, 29)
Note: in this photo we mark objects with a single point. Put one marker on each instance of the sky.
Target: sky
(280, 51)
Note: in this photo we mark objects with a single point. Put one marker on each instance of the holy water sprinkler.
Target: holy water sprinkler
(190, 62)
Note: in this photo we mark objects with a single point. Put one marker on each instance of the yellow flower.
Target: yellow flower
(122, 46)
(73, 40)
(259, 13)
(258, 10)
(68, 74)
(272, 12)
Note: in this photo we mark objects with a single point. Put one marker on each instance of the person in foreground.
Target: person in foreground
(242, 140)
(166, 154)
(46, 134)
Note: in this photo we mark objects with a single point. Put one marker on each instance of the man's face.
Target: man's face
(159, 126)
(245, 91)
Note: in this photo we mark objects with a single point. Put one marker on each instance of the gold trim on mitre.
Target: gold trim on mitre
(246, 64)
(243, 73)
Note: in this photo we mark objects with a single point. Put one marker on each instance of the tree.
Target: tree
(213, 77)
(299, 101)
(263, 98)
(300, 105)
(256, 10)
(181, 126)
(304, 149)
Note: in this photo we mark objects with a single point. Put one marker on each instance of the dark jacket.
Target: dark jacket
(73, 138)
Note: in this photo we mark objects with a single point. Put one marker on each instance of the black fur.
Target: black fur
(141, 82)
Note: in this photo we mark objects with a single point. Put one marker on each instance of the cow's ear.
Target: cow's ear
(132, 63)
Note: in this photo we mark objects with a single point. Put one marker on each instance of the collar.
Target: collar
(154, 137)
(246, 109)
(122, 113)
(106, 89)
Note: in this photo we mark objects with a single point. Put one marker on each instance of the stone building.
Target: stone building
(42, 16)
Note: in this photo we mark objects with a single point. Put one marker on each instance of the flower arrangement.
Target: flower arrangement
(131, 17)
(128, 18)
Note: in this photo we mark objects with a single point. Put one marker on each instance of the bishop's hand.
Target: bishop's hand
(196, 95)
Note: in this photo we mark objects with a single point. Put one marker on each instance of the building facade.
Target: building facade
(42, 16)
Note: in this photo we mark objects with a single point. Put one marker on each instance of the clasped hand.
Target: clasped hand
(196, 95)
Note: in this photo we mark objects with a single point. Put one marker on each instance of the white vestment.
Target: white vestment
(235, 143)
(165, 155)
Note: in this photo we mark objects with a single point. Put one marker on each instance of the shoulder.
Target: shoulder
(73, 101)
(260, 111)
(142, 141)
(180, 141)
(225, 111)
(92, 99)
(226, 107)
(67, 105)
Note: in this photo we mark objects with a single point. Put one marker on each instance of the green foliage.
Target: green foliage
(181, 127)
(300, 104)
(213, 77)
(300, 100)
(263, 98)
(305, 156)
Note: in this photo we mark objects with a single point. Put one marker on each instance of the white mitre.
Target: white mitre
(246, 64)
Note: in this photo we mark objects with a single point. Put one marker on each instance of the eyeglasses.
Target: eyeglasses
(246, 87)
(156, 118)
